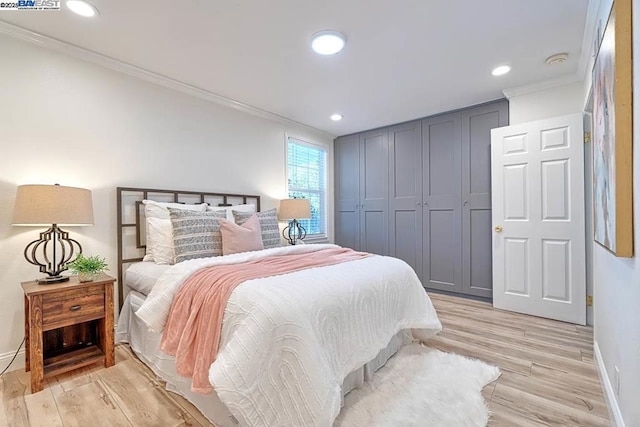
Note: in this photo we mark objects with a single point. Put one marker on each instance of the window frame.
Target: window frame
(324, 198)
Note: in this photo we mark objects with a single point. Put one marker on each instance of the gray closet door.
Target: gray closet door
(442, 252)
(405, 194)
(374, 192)
(476, 195)
(347, 197)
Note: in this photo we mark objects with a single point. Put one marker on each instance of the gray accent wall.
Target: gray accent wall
(420, 191)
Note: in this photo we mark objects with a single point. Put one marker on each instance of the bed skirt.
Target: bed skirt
(146, 345)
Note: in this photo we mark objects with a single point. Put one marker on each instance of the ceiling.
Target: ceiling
(403, 60)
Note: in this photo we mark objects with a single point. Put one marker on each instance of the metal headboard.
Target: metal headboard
(131, 241)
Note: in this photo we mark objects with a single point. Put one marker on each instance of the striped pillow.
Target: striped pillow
(268, 225)
(196, 234)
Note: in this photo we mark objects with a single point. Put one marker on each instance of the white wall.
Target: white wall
(63, 120)
(617, 287)
(556, 101)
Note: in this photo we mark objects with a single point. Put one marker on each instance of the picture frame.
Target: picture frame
(612, 134)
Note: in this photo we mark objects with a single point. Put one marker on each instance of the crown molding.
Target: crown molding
(542, 85)
(87, 55)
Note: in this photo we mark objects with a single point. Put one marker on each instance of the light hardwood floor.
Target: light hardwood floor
(548, 378)
(548, 373)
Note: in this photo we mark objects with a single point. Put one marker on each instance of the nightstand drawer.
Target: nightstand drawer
(72, 306)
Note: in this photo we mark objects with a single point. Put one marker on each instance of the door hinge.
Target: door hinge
(587, 137)
(589, 300)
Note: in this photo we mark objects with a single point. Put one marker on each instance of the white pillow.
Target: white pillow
(229, 209)
(160, 210)
(160, 238)
(153, 209)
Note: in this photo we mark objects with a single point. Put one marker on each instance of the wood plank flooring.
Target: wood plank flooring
(548, 374)
(548, 378)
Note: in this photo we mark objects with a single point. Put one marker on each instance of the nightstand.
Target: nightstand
(67, 326)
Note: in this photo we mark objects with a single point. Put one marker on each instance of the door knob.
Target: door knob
(498, 229)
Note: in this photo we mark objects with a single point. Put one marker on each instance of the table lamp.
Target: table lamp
(52, 205)
(293, 210)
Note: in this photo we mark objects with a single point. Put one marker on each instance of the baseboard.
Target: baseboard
(5, 358)
(610, 396)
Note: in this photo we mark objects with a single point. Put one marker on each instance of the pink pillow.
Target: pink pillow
(241, 238)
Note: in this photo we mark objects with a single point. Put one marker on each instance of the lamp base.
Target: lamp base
(294, 232)
(52, 280)
(42, 253)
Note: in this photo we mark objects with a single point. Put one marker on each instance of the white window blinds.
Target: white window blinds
(307, 179)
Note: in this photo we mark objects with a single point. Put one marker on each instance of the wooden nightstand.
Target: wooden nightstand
(67, 326)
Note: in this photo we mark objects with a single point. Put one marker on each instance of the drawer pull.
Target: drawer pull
(74, 308)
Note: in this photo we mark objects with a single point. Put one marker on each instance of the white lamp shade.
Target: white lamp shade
(294, 209)
(52, 204)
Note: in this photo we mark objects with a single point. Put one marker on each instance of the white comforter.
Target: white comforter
(289, 341)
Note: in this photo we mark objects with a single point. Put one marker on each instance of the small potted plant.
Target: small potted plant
(87, 268)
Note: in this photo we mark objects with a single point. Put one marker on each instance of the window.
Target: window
(307, 179)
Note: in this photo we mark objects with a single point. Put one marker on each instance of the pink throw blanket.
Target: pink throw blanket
(194, 327)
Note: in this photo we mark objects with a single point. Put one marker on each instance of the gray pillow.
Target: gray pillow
(196, 234)
(268, 225)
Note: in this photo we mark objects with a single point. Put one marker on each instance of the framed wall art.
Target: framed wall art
(612, 134)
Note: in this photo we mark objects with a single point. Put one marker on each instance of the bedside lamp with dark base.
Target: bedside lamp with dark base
(52, 205)
(293, 210)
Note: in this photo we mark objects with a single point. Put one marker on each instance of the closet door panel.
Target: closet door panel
(477, 274)
(374, 192)
(443, 158)
(348, 229)
(374, 165)
(347, 185)
(405, 194)
(374, 239)
(443, 265)
(477, 123)
(441, 150)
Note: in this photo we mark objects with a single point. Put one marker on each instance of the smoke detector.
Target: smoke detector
(559, 58)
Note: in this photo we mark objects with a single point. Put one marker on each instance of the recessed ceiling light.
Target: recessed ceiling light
(336, 117)
(503, 69)
(327, 42)
(82, 8)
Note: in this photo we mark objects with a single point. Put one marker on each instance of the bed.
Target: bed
(292, 345)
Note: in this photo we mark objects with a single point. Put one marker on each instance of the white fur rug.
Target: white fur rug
(421, 386)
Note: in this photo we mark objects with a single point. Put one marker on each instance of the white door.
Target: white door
(537, 174)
